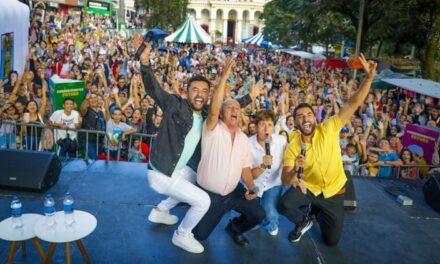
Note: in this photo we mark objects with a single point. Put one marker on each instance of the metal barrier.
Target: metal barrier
(396, 170)
(39, 137)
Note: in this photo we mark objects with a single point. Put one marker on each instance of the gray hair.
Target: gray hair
(226, 102)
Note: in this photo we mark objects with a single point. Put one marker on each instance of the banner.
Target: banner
(7, 54)
(421, 140)
(100, 7)
(60, 89)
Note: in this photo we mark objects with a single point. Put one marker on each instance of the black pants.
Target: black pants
(329, 212)
(251, 213)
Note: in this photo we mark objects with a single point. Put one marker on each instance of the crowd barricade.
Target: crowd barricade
(420, 171)
(40, 137)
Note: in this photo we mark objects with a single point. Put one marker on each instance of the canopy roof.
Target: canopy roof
(421, 86)
(258, 40)
(190, 32)
(304, 54)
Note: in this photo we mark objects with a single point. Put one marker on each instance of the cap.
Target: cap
(345, 130)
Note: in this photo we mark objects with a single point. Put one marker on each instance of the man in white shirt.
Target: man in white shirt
(65, 119)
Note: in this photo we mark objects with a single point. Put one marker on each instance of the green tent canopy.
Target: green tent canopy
(190, 32)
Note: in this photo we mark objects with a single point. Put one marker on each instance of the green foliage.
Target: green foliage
(397, 24)
(289, 22)
(167, 15)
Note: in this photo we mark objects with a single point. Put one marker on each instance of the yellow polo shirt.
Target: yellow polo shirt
(323, 169)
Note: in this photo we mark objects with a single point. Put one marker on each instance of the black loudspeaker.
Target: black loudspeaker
(28, 170)
(431, 191)
(350, 195)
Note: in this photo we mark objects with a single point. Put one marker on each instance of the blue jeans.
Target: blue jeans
(269, 202)
(7, 141)
(91, 151)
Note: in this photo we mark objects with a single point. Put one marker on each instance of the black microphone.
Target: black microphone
(267, 146)
(303, 153)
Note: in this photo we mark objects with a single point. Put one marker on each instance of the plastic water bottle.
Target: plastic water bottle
(68, 203)
(17, 220)
(49, 210)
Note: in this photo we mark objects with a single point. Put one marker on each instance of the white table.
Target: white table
(83, 226)
(9, 233)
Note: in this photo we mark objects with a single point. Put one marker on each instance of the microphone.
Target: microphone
(267, 146)
(303, 153)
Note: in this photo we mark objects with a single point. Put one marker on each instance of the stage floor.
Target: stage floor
(378, 231)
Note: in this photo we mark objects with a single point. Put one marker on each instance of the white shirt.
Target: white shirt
(270, 177)
(70, 120)
(282, 125)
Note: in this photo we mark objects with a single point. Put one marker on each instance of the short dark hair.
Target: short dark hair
(264, 115)
(198, 78)
(117, 109)
(68, 99)
(302, 105)
(349, 145)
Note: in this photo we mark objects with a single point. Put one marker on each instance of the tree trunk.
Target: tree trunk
(428, 51)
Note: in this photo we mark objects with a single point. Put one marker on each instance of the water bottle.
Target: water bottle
(17, 220)
(49, 210)
(68, 203)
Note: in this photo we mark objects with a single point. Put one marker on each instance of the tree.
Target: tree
(397, 22)
(167, 15)
(291, 22)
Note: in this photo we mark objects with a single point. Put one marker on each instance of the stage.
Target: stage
(117, 194)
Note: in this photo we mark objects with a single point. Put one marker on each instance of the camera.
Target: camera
(147, 38)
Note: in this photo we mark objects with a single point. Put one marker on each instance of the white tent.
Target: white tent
(303, 54)
(258, 40)
(14, 29)
(420, 86)
(190, 32)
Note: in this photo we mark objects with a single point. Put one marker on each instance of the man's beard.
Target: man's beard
(312, 130)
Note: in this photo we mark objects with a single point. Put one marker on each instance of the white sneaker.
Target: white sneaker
(162, 217)
(187, 242)
(273, 232)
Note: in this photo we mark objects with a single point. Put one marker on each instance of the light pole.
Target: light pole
(359, 32)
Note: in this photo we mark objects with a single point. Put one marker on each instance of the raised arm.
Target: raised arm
(42, 111)
(107, 106)
(217, 97)
(356, 100)
(152, 86)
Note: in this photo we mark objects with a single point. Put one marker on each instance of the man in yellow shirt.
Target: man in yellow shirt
(321, 186)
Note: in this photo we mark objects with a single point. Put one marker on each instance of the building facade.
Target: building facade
(228, 20)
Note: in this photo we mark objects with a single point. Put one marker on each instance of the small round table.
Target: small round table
(9, 233)
(85, 223)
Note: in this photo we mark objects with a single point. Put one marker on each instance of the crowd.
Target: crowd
(78, 46)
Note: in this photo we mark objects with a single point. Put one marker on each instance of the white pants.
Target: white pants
(180, 187)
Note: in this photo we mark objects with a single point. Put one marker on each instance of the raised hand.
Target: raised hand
(227, 70)
(256, 89)
(137, 42)
(369, 67)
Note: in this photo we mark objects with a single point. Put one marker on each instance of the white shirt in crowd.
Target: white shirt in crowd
(70, 120)
(270, 177)
(354, 163)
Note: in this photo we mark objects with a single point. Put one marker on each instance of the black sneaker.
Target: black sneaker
(296, 234)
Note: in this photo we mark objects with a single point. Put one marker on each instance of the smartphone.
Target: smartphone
(26, 117)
